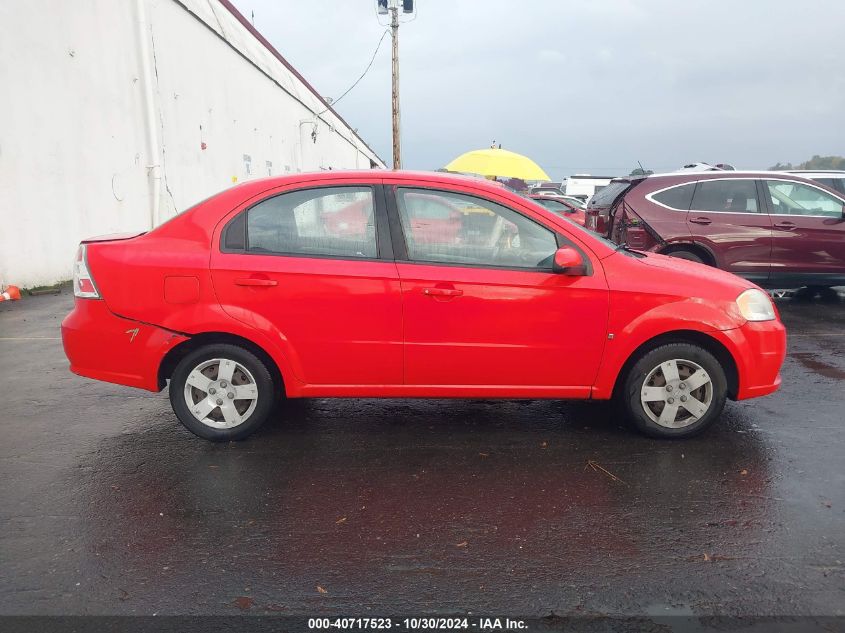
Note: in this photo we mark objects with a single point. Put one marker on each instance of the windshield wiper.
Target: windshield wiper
(624, 247)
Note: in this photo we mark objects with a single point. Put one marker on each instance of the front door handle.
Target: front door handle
(256, 281)
(701, 220)
(443, 292)
(785, 226)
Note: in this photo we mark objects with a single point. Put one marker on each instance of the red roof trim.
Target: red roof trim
(249, 27)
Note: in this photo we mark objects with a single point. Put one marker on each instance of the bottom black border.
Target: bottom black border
(286, 623)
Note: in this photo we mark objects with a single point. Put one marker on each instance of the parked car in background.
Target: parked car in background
(550, 193)
(834, 179)
(578, 203)
(561, 205)
(546, 188)
(778, 230)
(258, 293)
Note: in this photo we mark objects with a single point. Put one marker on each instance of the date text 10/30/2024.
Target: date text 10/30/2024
(414, 624)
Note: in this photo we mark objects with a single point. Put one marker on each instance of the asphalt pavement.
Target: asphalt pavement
(342, 507)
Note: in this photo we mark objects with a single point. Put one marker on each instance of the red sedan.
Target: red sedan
(256, 294)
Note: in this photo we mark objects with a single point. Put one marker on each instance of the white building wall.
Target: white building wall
(118, 114)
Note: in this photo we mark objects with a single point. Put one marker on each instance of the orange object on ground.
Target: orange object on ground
(11, 293)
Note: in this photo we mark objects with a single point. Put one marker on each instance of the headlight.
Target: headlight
(755, 305)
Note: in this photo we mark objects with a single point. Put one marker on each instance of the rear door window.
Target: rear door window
(678, 198)
(726, 196)
(330, 221)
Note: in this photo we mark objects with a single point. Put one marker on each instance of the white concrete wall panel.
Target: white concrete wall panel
(90, 143)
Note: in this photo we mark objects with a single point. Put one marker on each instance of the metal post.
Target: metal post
(394, 27)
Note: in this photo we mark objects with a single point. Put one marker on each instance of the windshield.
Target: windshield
(554, 205)
(591, 235)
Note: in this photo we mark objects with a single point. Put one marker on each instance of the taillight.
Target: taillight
(83, 282)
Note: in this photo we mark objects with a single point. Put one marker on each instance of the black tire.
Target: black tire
(634, 409)
(263, 381)
(687, 255)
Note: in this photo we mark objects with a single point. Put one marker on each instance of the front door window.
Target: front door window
(452, 228)
(795, 198)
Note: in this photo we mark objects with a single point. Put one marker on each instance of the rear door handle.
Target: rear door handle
(443, 292)
(786, 226)
(701, 220)
(255, 281)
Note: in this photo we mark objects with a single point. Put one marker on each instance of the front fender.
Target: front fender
(627, 333)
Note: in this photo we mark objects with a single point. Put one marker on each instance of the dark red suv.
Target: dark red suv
(776, 229)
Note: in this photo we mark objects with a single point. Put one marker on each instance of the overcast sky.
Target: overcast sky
(583, 86)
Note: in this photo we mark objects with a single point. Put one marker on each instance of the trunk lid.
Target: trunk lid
(113, 237)
(600, 207)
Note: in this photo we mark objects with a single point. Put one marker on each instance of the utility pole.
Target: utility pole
(392, 7)
(394, 28)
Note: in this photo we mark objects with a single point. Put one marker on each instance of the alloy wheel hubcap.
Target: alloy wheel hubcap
(221, 393)
(676, 393)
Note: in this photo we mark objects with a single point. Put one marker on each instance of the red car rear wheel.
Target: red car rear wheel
(222, 392)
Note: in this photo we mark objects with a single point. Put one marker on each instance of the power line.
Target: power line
(366, 70)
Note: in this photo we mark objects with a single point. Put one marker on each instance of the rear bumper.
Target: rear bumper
(759, 349)
(104, 346)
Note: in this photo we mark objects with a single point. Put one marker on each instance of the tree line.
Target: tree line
(816, 162)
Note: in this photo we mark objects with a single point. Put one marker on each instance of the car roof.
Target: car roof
(367, 176)
(208, 211)
(653, 182)
(809, 173)
(693, 176)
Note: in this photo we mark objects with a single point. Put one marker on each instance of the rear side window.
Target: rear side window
(679, 197)
(726, 196)
(332, 221)
(606, 195)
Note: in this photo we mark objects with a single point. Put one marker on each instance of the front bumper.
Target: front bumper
(759, 349)
(101, 345)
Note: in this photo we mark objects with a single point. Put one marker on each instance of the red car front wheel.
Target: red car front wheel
(675, 391)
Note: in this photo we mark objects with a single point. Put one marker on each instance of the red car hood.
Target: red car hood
(696, 270)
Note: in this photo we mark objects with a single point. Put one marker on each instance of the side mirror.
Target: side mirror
(567, 261)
